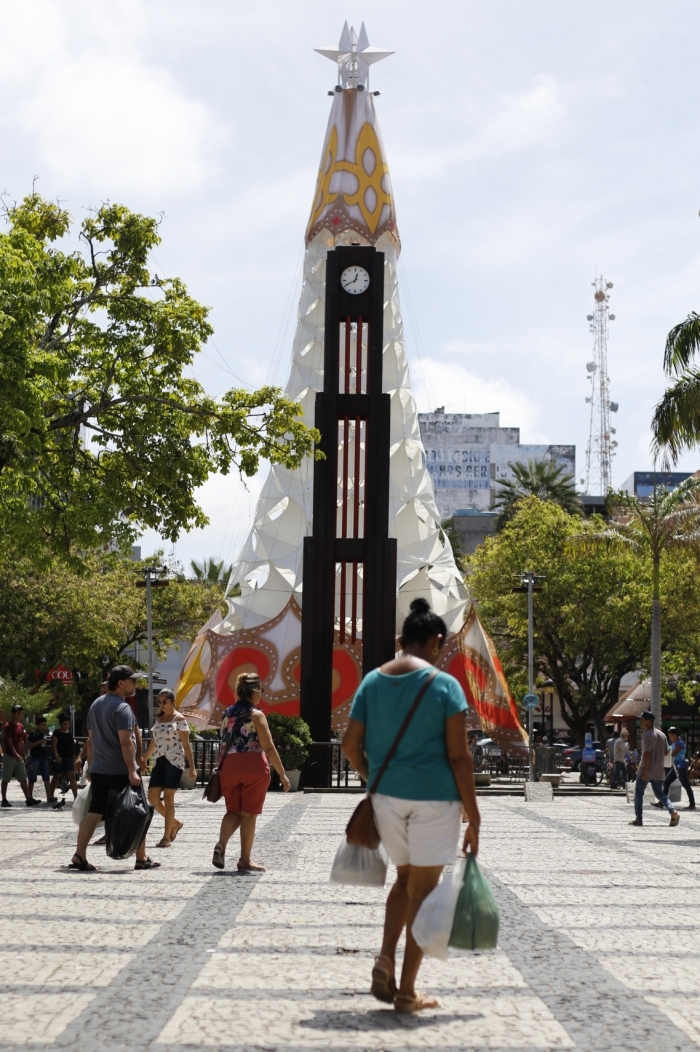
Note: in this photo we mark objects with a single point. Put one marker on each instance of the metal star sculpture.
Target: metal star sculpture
(354, 56)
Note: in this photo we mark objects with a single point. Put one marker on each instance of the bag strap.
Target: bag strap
(402, 730)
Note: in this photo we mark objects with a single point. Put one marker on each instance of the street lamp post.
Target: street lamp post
(528, 584)
(151, 575)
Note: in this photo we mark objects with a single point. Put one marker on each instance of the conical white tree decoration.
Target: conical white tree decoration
(353, 203)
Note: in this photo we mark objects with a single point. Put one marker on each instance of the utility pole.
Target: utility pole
(151, 575)
(528, 584)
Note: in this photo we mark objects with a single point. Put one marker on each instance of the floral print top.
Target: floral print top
(240, 733)
(168, 741)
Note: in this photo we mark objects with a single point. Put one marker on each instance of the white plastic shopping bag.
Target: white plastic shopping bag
(360, 866)
(81, 804)
(433, 924)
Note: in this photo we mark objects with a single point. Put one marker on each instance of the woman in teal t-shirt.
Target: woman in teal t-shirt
(430, 779)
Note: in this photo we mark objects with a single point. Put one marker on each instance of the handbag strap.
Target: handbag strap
(402, 730)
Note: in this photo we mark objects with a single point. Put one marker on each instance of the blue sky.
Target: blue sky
(529, 145)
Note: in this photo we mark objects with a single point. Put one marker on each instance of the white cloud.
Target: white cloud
(437, 383)
(99, 113)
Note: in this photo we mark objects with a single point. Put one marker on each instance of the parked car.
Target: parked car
(574, 754)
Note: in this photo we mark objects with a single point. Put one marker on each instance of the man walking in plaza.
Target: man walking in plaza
(112, 757)
(651, 769)
(14, 746)
(38, 766)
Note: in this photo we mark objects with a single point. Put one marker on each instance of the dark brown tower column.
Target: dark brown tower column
(351, 490)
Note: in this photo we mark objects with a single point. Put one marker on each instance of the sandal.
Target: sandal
(146, 863)
(417, 1003)
(101, 842)
(249, 867)
(163, 842)
(383, 982)
(174, 833)
(82, 865)
(217, 859)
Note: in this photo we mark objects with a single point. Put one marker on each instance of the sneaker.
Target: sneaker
(31, 802)
(657, 804)
(634, 822)
(675, 819)
(6, 803)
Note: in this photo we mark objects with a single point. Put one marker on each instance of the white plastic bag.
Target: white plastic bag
(81, 804)
(360, 866)
(433, 924)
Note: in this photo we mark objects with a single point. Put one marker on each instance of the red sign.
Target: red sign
(60, 673)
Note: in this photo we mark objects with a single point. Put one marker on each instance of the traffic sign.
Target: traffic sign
(531, 701)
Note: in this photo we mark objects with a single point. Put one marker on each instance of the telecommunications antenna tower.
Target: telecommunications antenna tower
(601, 444)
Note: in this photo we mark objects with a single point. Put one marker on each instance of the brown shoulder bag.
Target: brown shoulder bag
(361, 830)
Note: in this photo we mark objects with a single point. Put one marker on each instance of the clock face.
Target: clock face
(355, 280)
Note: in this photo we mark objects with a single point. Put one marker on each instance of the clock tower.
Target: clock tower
(349, 570)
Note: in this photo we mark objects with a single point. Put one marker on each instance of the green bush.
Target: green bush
(292, 739)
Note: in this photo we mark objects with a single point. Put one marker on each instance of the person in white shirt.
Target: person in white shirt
(619, 757)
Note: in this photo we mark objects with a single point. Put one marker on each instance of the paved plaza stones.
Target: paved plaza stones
(599, 944)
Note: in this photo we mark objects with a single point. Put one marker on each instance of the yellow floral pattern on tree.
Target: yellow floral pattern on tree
(371, 210)
(367, 140)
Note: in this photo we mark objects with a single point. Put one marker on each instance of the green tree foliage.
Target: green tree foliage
(593, 616)
(102, 433)
(676, 421)
(455, 540)
(32, 699)
(667, 521)
(591, 619)
(86, 618)
(537, 478)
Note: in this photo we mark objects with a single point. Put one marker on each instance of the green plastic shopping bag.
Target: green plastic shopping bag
(476, 919)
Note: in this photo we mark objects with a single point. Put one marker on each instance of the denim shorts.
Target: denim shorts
(38, 769)
(63, 766)
(165, 775)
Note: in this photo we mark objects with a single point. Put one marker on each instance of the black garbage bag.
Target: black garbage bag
(127, 820)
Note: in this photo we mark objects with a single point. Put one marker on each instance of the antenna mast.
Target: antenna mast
(601, 444)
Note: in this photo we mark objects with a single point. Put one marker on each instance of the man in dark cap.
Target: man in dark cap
(651, 769)
(112, 757)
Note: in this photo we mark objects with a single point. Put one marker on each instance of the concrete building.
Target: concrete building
(641, 483)
(467, 453)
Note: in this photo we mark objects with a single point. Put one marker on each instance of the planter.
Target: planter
(294, 777)
(482, 778)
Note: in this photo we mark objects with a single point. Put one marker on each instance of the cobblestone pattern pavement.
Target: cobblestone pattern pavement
(598, 948)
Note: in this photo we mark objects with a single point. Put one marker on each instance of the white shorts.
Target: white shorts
(418, 832)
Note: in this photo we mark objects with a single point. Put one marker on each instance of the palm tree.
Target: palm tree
(212, 571)
(659, 523)
(538, 478)
(676, 421)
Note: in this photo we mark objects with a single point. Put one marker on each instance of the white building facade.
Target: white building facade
(467, 453)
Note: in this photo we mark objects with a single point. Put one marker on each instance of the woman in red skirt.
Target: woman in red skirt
(244, 772)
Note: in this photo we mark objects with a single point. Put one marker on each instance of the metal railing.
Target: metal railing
(327, 768)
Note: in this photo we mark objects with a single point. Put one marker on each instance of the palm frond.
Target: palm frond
(682, 344)
(537, 478)
(676, 421)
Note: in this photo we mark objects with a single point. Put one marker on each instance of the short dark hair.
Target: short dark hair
(40, 718)
(422, 624)
(64, 717)
(616, 734)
